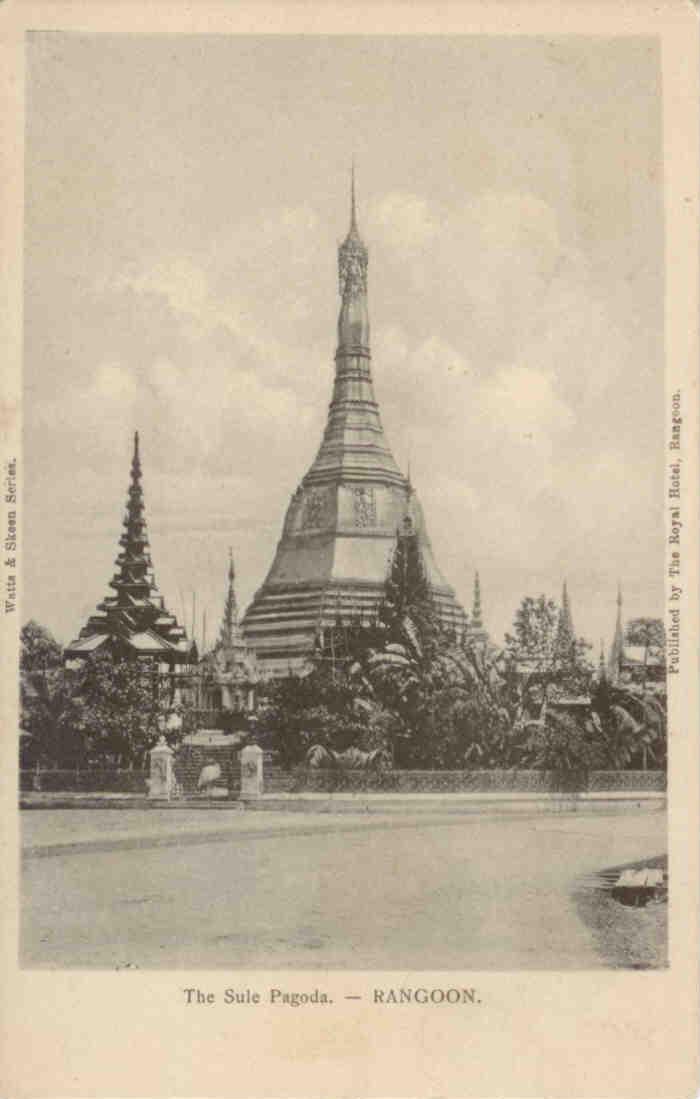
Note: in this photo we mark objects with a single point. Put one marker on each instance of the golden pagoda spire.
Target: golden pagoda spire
(342, 519)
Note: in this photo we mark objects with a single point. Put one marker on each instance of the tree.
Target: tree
(545, 649)
(646, 631)
(126, 705)
(561, 743)
(534, 630)
(327, 707)
(39, 649)
(51, 714)
(50, 708)
(650, 635)
(370, 683)
(407, 612)
(632, 728)
(471, 720)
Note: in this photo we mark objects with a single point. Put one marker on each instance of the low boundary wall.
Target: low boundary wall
(189, 762)
(306, 780)
(90, 781)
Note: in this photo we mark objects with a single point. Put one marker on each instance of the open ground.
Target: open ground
(144, 889)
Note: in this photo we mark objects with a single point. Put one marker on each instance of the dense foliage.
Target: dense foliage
(431, 700)
(107, 710)
(400, 684)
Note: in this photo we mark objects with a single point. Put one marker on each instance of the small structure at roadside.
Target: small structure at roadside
(637, 887)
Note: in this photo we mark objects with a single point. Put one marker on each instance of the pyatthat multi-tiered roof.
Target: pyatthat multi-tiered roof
(134, 620)
(342, 521)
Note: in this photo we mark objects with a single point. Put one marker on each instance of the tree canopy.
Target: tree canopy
(39, 649)
(107, 709)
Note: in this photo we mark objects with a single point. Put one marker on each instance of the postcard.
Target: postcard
(350, 550)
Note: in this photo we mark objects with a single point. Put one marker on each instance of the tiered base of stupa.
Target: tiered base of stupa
(320, 576)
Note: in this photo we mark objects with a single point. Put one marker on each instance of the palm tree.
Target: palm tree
(630, 724)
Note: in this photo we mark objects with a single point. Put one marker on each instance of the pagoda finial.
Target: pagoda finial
(353, 207)
(231, 570)
(136, 459)
(353, 322)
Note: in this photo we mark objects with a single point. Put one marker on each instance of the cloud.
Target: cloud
(493, 359)
(403, 222)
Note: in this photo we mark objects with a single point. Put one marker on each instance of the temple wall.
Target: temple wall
(276, 780)
(306, 780)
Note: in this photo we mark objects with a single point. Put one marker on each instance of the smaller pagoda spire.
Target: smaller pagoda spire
(566, 609)
(566, 637)
(136, 607)
(476, 621)
(229, 624)
(617, 647)
(601, 660)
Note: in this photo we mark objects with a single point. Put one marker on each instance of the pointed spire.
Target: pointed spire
(353, 207)
(566, 608)
(352, 271)
(476, 622)
(136, 605)
(135, 462)
(353, 231)
(566, 637)
(229, 623)
(617, 647)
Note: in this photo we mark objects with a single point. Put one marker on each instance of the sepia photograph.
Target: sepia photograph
(352, 531)
(388, 545)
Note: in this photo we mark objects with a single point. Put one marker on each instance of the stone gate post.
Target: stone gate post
(251, 772)
(162, 776)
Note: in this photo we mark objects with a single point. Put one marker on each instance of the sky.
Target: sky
(185, 197)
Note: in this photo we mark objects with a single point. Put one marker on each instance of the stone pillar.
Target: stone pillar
(162, 780)
(251, 772)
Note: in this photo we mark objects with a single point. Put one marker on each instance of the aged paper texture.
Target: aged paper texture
(390, 786)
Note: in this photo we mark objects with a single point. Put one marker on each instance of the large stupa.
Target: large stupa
(342, 521)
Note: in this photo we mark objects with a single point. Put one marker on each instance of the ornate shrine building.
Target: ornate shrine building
(635, 665)
(341, 524)
(134, 622)
(227, 676)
